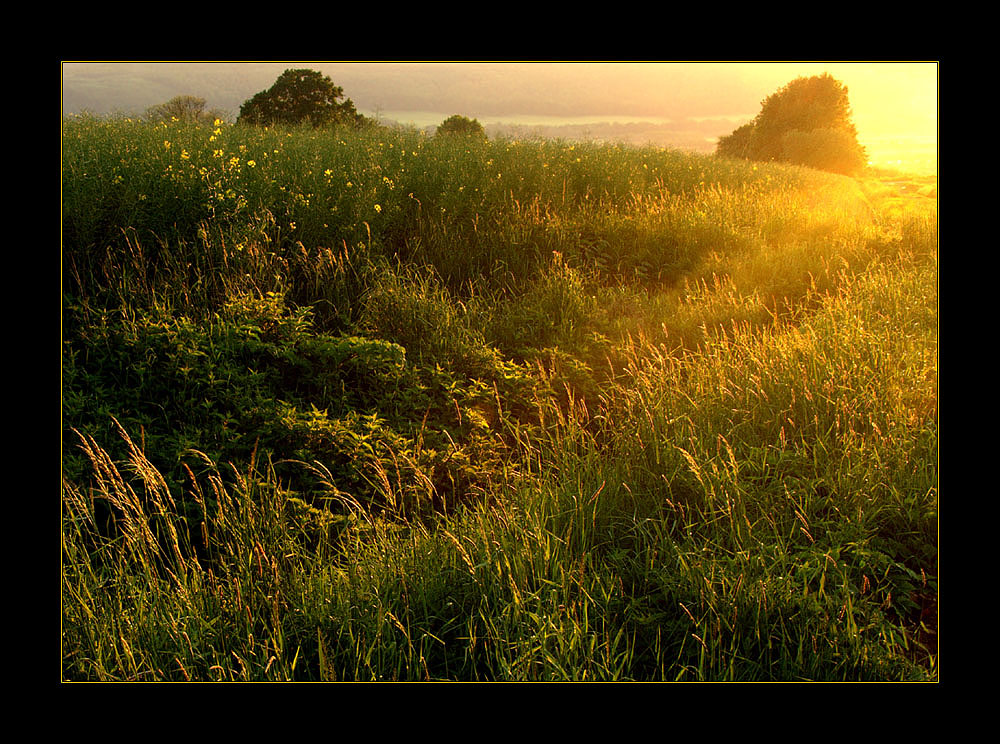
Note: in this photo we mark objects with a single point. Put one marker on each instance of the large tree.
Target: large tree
(300, 97)
(807, 122)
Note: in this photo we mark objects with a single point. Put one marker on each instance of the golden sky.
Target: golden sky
(895, 105)
(888, 99)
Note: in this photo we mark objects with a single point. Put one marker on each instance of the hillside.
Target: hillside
(372, 405)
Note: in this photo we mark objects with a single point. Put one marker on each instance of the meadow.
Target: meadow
(360, 405)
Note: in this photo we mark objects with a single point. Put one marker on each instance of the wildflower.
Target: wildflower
(378, 207)
(185, 155)
(252, 163)
(166, 144)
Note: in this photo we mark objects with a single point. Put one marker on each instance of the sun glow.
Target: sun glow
(895, 106)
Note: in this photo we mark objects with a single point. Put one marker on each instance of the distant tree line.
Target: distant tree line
(807, 122)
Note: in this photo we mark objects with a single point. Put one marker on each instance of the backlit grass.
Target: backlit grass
(369, 405)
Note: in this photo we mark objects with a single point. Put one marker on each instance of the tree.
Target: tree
(834, 150)
(183, 108)
(737, 144)
(461, 125)
(300, 97)
(807, 122)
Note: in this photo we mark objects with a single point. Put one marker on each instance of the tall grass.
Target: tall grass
(367, 405)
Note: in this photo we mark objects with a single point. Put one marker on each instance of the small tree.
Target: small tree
(183, 108)
(461, 125)
(300, 97)
(807, 122)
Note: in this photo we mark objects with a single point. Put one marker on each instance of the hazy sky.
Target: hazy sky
(893, 102)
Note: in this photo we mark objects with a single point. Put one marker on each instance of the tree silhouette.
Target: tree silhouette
(300, 97)
(183, 108)
(461, 125)
(807, 122)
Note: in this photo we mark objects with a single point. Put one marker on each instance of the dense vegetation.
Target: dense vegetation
(807, 122)
(364, 405)
(301, 97)
(461, 126)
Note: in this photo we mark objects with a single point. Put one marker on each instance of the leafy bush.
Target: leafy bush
(807, 122)
(462, 126)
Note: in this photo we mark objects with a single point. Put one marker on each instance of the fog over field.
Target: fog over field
(674, 104)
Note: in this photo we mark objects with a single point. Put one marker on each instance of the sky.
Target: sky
(895, 104)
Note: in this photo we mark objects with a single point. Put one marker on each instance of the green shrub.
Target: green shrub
(461, 126)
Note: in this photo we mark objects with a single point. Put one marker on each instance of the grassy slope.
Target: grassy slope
(372, 406)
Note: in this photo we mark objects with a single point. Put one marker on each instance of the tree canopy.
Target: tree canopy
(300, 97)
(807, 122)
(183, 108)
(461, 125)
